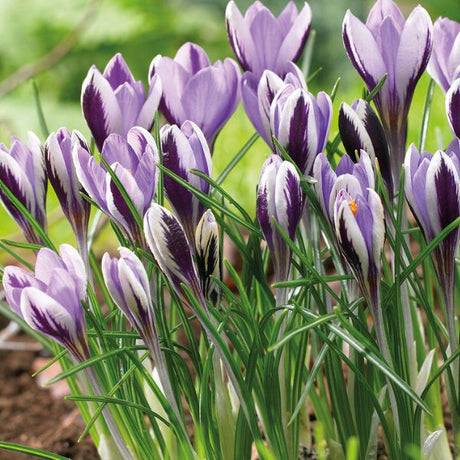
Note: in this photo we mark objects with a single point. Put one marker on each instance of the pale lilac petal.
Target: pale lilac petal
(117, 72)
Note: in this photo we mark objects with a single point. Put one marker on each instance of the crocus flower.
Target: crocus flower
(387, 44)
(185, 148)
(279, 197)
(360, 232)
(133, 162)
(168, 242)
(300, 122)
(63, 178)
(262, 41)
(432, 187)
(208, 256)
(50, 300)
(196, 90)
(453, 107)
(113, 102)
(360, 129)
(22, 171)
(257, 95)
(355, 178)
(444, 65)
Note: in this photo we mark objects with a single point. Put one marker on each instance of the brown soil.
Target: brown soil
(32, 416)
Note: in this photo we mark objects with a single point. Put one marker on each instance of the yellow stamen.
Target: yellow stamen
(353, 207)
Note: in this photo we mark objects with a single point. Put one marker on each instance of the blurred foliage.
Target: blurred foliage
(141, 29)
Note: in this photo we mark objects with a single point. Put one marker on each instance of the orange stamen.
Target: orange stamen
(353, 207)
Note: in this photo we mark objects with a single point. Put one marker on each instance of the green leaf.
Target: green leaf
(30, 451)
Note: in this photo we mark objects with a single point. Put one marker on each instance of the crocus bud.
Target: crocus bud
(196, 90)
(355, 178)
(169, 245)
(300, 122)
(22, 170)
(262, 41)
(279, 197)
(50, 300)
(208, 256)
(63, 178)
(128, 285)
(360, 232)
(453, 107)
(444, 65)
(257, 95)
(133, 161)
(360, 129)
(388, 44)
(185, 148)
(113, 102)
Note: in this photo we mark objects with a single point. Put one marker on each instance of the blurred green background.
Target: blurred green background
(57, 42)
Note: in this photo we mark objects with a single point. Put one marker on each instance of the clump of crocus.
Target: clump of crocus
(444, 65)
(262, 41)
(389, 44)
(22, 171)
(453, 107)
(355, 178)
(432, 187)
(196, 90)
(133, 161)
(300, 122)
(360, 129)
(63, 178)
(257, 95)
(113, 102)
(185, 148)
(279, 198)
(50, 300)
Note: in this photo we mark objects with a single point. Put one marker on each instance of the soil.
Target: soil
(33, 416)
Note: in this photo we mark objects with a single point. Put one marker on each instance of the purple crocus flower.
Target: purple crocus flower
(360, 129)
(257, 95)
(195, 90)
(444, 65)
(279, 197)
(22, 170)
(63, 178)
(113, 102)
(300, 122)
(432, 187)
(262, 41)
(453, 107)
(168, 242)
(360, 232)
(185, 148)
(50, 300)
(354, 178)
(133, 161)
(387, 44)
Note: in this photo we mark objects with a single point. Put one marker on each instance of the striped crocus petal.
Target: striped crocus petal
(185, 148)
(100, 107)
(453, 107)
(168, 243)
(360, 129)
(208, 256)
(128, 285)
(14, 280)
(48, 316)
(63, 178)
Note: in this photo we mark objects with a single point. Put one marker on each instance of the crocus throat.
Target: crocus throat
(353, 207)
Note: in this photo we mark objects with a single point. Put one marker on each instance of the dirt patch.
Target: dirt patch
(31, 416)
